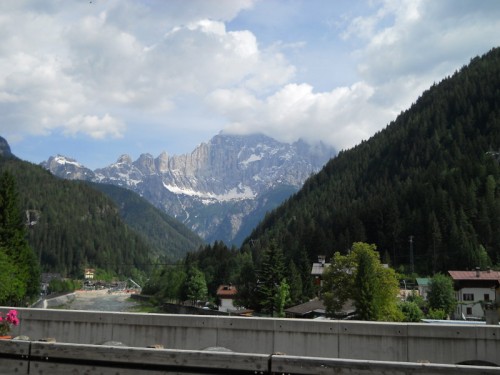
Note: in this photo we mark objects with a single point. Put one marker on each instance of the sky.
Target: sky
(95, 79)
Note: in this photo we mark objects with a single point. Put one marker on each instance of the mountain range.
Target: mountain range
(221, 190)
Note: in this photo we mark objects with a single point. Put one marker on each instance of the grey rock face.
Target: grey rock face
(221, 189)
(4, 148)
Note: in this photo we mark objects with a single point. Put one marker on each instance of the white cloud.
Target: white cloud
(96, 127)
(403, 48)
(97, 69)
(69, 61)
(341, 117)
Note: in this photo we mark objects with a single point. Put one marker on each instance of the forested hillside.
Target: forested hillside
(432, 174)
(73, 226)
(166, 236)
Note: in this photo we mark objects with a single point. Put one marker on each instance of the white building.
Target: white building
(226, 294)
(474, 288)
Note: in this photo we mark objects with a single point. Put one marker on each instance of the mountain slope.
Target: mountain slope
(432, 175)
(73, 226)
(221, 189)
(165, 235)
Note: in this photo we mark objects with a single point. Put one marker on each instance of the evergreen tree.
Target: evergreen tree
(247, 284)
(295, 283)
(271, 276)
(364, 285)
(24, 269)
(10, 285)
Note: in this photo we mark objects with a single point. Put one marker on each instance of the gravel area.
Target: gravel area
(101, 300)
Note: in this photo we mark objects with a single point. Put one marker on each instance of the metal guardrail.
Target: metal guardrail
(33, 357)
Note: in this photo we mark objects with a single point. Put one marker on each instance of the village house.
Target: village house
(317, 270)
(89, 273)
(227, 294)
(473, 290)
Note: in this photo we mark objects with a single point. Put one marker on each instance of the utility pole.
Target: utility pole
(412, 265)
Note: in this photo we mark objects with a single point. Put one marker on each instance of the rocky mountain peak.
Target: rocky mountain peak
(223, 187)
(124, 159)
(161, 162)
(4, 148)
(146, 164)
(68, 168)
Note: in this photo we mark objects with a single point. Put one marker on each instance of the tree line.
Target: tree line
(19, 268)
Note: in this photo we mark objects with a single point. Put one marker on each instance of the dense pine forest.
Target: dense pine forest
(19, 269)
(431, 176)
(71, 225)
(166, 236)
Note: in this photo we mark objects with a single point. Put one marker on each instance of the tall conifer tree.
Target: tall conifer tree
(17, 254)
(271, 276)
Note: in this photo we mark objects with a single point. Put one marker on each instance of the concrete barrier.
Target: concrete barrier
(66, 359)
(398, 342)
(60, 359)
(323, 366)
(14, 357)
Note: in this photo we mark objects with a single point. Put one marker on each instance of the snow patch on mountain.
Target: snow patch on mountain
(235, 194)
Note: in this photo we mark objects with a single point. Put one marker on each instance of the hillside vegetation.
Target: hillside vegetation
(432, 174)
(166, 236)
(76, 226)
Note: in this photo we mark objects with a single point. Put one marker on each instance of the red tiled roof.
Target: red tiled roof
(226, 291)
(473, 275)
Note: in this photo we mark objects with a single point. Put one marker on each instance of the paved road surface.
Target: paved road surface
(101, 300)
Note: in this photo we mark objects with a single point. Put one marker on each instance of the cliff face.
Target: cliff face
(5, 148)
(218, 189)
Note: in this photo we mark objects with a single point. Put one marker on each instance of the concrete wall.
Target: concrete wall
(401, 342)
(29, 357)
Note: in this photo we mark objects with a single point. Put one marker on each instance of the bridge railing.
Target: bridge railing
(29, 357)
(377, 341)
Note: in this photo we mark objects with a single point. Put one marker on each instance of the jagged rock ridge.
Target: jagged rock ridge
(221, 189)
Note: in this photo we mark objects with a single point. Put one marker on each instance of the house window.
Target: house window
(486, 297)
(469, 311)
(468, 296)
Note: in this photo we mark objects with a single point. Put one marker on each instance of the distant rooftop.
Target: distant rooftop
(423, 281)
(319, 268)
(308, 307)
(475, 275)
(227, 291)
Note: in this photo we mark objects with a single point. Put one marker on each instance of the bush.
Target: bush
(438, 314)
(411, 311)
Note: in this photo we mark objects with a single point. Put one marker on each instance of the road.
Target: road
(101, 300)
